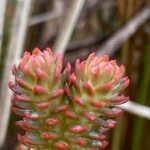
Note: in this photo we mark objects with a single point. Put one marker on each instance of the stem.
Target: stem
(142, 99)
(68, 25)
(13, 54)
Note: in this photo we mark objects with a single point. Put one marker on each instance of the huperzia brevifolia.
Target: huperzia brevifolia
(63, 110)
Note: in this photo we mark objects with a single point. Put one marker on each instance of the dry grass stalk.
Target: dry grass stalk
(114, 42)
(13, 54)
(68, 24)
(2, 16)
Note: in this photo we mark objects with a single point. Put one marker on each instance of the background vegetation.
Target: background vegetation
(119, 28)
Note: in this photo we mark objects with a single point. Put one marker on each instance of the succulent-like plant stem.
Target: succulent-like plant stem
(63, 110)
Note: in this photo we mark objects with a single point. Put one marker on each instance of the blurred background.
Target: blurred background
(119, 28)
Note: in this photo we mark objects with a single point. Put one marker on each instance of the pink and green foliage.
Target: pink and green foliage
(63, 110)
